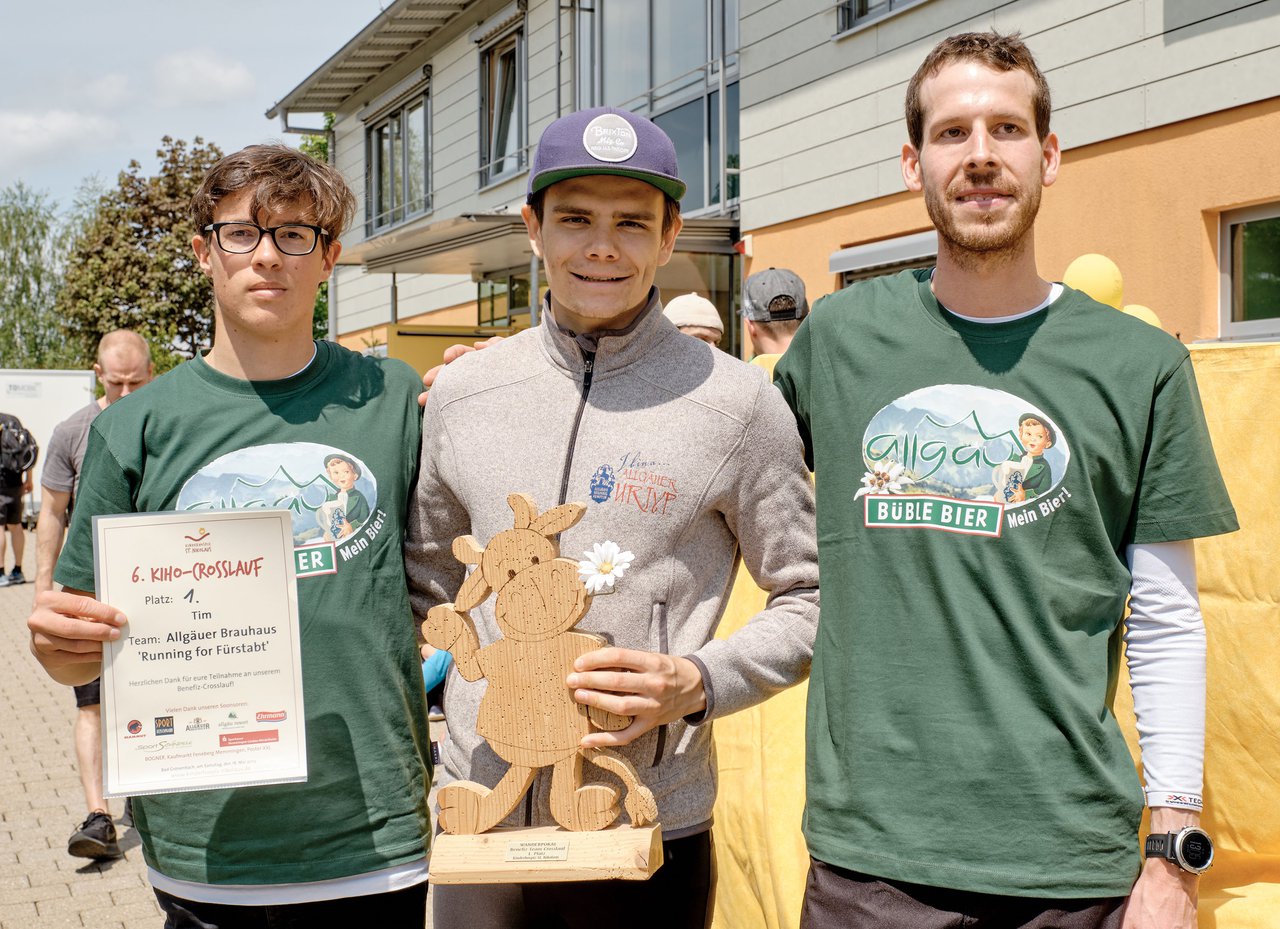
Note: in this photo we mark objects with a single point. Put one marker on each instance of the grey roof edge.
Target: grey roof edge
(306, 85)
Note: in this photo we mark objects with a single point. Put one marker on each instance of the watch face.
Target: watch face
(1197, 850)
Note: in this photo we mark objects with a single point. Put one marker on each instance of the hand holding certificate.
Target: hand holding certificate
(204, 687)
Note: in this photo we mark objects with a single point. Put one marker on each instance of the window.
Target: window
(1249, 258)
(398, 178)
(887, 256)
(668, 60)
(504, 295)
(855, 13)
(866, 274)
(502, 115)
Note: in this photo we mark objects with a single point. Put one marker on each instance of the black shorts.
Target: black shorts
(396, 909)
(11, 502)
(680, 895)
(835, 897)
(89, 694)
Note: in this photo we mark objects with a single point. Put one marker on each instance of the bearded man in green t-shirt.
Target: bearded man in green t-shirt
(963, 760)
(269, 414)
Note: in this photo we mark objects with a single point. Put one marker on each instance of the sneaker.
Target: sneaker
(96, 838)
(4, 579)
(435, 714)
(16, 577)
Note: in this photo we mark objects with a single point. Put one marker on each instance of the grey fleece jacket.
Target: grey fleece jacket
(683, 455)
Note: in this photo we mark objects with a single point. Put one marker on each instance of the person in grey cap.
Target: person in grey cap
(773, 304)
(682, 456)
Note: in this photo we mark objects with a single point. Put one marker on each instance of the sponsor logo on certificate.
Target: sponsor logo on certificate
(236, 739)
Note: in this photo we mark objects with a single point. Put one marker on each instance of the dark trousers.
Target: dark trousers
(400, 909)
(835, 897)
(680, 895)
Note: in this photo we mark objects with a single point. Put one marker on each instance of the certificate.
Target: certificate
(203, 689)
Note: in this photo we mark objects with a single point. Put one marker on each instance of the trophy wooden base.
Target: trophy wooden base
(546, 853)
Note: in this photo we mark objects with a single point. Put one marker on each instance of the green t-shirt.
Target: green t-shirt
(197, 439)
(960, 724)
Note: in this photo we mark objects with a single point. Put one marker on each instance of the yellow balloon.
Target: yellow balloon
(1098, 276)
(1144, 313)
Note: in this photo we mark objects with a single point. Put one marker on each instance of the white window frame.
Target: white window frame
(848, 21)
(520, 156)
(719, 73)
(377, 222)
(1229, 328)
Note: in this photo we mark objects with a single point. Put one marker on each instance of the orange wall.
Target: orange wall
(1149, 201)
(464, 314)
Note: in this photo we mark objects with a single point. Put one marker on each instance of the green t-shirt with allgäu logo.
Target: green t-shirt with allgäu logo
(960, 730)
(197, 439)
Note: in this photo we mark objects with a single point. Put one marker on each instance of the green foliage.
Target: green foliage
(130, 265)
(30, 276)
(317, 146)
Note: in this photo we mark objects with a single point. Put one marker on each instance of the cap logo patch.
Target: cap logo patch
(609, 137)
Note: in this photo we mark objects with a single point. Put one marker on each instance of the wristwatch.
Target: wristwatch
(1191, 849)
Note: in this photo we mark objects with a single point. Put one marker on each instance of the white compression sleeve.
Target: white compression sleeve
(1165, 641)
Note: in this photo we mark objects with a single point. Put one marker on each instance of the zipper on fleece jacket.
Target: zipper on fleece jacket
(588, 366)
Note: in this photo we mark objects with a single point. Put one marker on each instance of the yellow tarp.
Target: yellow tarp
(760, 854)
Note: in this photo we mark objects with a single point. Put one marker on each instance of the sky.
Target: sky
(88, 85)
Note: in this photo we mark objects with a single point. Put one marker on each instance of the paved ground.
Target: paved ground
(41, 803)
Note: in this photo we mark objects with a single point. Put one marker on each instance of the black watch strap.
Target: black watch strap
(1161, 845)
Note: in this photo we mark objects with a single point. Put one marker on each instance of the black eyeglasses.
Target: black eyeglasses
(291, 239)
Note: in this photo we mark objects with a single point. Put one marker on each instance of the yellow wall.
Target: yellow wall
(1149, 201)
(464, 314)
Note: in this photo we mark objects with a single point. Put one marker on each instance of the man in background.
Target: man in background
(761, 859)
(19, 458)
(773, 304)
(123, 365)
(695, 315)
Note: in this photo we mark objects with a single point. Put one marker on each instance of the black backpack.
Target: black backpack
(18, 449)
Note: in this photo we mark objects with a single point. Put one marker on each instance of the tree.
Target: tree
(131, 265)
(30, 276)
(317, 146)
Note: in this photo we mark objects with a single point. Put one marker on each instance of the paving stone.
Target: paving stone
(30, 894)
(18, 916)
(142, 910)
(68, 920)
(111, 884)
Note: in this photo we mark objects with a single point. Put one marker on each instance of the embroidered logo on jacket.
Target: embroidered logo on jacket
(636, 481)
(602, 483)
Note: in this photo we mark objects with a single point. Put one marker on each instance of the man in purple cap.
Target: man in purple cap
(682, 455)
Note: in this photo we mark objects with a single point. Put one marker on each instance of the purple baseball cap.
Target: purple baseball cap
(605, 140)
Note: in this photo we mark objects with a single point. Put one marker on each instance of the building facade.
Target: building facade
(1167, 112)
(436, 108)
(788, 120)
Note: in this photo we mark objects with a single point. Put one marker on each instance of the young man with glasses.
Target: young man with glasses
(266, 401)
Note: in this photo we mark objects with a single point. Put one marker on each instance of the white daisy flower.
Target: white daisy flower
(887, 479)
(603, 566)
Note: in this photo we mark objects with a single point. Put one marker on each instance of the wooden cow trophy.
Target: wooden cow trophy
(528, 715)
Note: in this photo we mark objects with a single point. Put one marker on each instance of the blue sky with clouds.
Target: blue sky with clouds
(87, 86)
